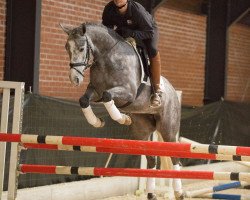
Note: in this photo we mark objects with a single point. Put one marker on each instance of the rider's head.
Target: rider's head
(120, 3)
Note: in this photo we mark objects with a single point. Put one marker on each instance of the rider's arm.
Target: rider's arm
(145, 23)
(106, 17)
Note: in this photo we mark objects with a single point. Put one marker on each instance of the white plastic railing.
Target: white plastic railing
(18, 88)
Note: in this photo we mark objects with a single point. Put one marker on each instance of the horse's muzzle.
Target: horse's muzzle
(76, 80)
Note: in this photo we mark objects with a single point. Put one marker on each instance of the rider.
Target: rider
(132, 20)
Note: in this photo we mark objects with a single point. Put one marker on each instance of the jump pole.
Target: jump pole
(94, 171)
(119, 143)
(225, 196)
(130, 151)
(221, 187)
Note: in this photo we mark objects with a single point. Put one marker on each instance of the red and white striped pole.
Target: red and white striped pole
(177, 154)
(128, 144)
(94, 171)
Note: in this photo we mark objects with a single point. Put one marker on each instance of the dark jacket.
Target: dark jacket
(137, 20)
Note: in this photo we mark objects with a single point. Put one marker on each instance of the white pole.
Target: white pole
(4, 127)
(16, 128)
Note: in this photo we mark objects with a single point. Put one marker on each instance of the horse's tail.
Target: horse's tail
(166, 162)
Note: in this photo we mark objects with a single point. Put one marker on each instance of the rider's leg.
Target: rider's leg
(155, 68)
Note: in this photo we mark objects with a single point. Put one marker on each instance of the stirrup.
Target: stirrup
(155, 99)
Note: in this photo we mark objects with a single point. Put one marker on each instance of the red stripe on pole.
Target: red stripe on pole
(178, 154)
(50, 169)
(9, 137)
(119, 143)
(244, 151)
(40, 169)
(153, 173)
(41, 146)
(103, 142)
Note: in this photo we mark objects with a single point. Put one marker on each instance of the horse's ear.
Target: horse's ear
(66, 29)
(83, 31)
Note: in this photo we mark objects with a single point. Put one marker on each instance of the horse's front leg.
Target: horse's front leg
(115, 114)
(87, 110)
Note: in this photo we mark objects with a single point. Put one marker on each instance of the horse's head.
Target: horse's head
(79, 51)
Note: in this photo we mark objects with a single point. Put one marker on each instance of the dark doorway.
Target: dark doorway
(22, 45)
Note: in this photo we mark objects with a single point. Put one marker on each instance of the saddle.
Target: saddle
(142, 54)
(145, 59)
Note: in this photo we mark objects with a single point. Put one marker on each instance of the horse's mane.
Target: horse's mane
(110, 31)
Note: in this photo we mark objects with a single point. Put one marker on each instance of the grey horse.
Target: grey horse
(115, 76)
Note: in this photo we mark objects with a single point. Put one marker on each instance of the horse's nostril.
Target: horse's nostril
(77, 80)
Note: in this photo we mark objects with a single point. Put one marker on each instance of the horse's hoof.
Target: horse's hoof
(100, 123)
(128, 120)
(179, 195)
(151, 196)
(125, 120)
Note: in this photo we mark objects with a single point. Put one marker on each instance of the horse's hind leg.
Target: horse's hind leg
(168, 127)
(142, 127)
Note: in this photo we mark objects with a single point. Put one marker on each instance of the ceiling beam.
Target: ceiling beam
(158, 4)
(237, 9)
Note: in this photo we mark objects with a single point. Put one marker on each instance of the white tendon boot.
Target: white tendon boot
(177, 185)
(116, 115)
(91, 118)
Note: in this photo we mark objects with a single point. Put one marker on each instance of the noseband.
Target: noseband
(85, 63)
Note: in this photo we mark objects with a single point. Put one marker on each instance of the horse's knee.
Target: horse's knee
(84, 102)
(169, 136)
(151, 160)
(106, 96)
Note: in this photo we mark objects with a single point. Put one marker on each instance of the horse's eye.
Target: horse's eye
(81, 49)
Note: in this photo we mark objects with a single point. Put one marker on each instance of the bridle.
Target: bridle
(85, 63)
